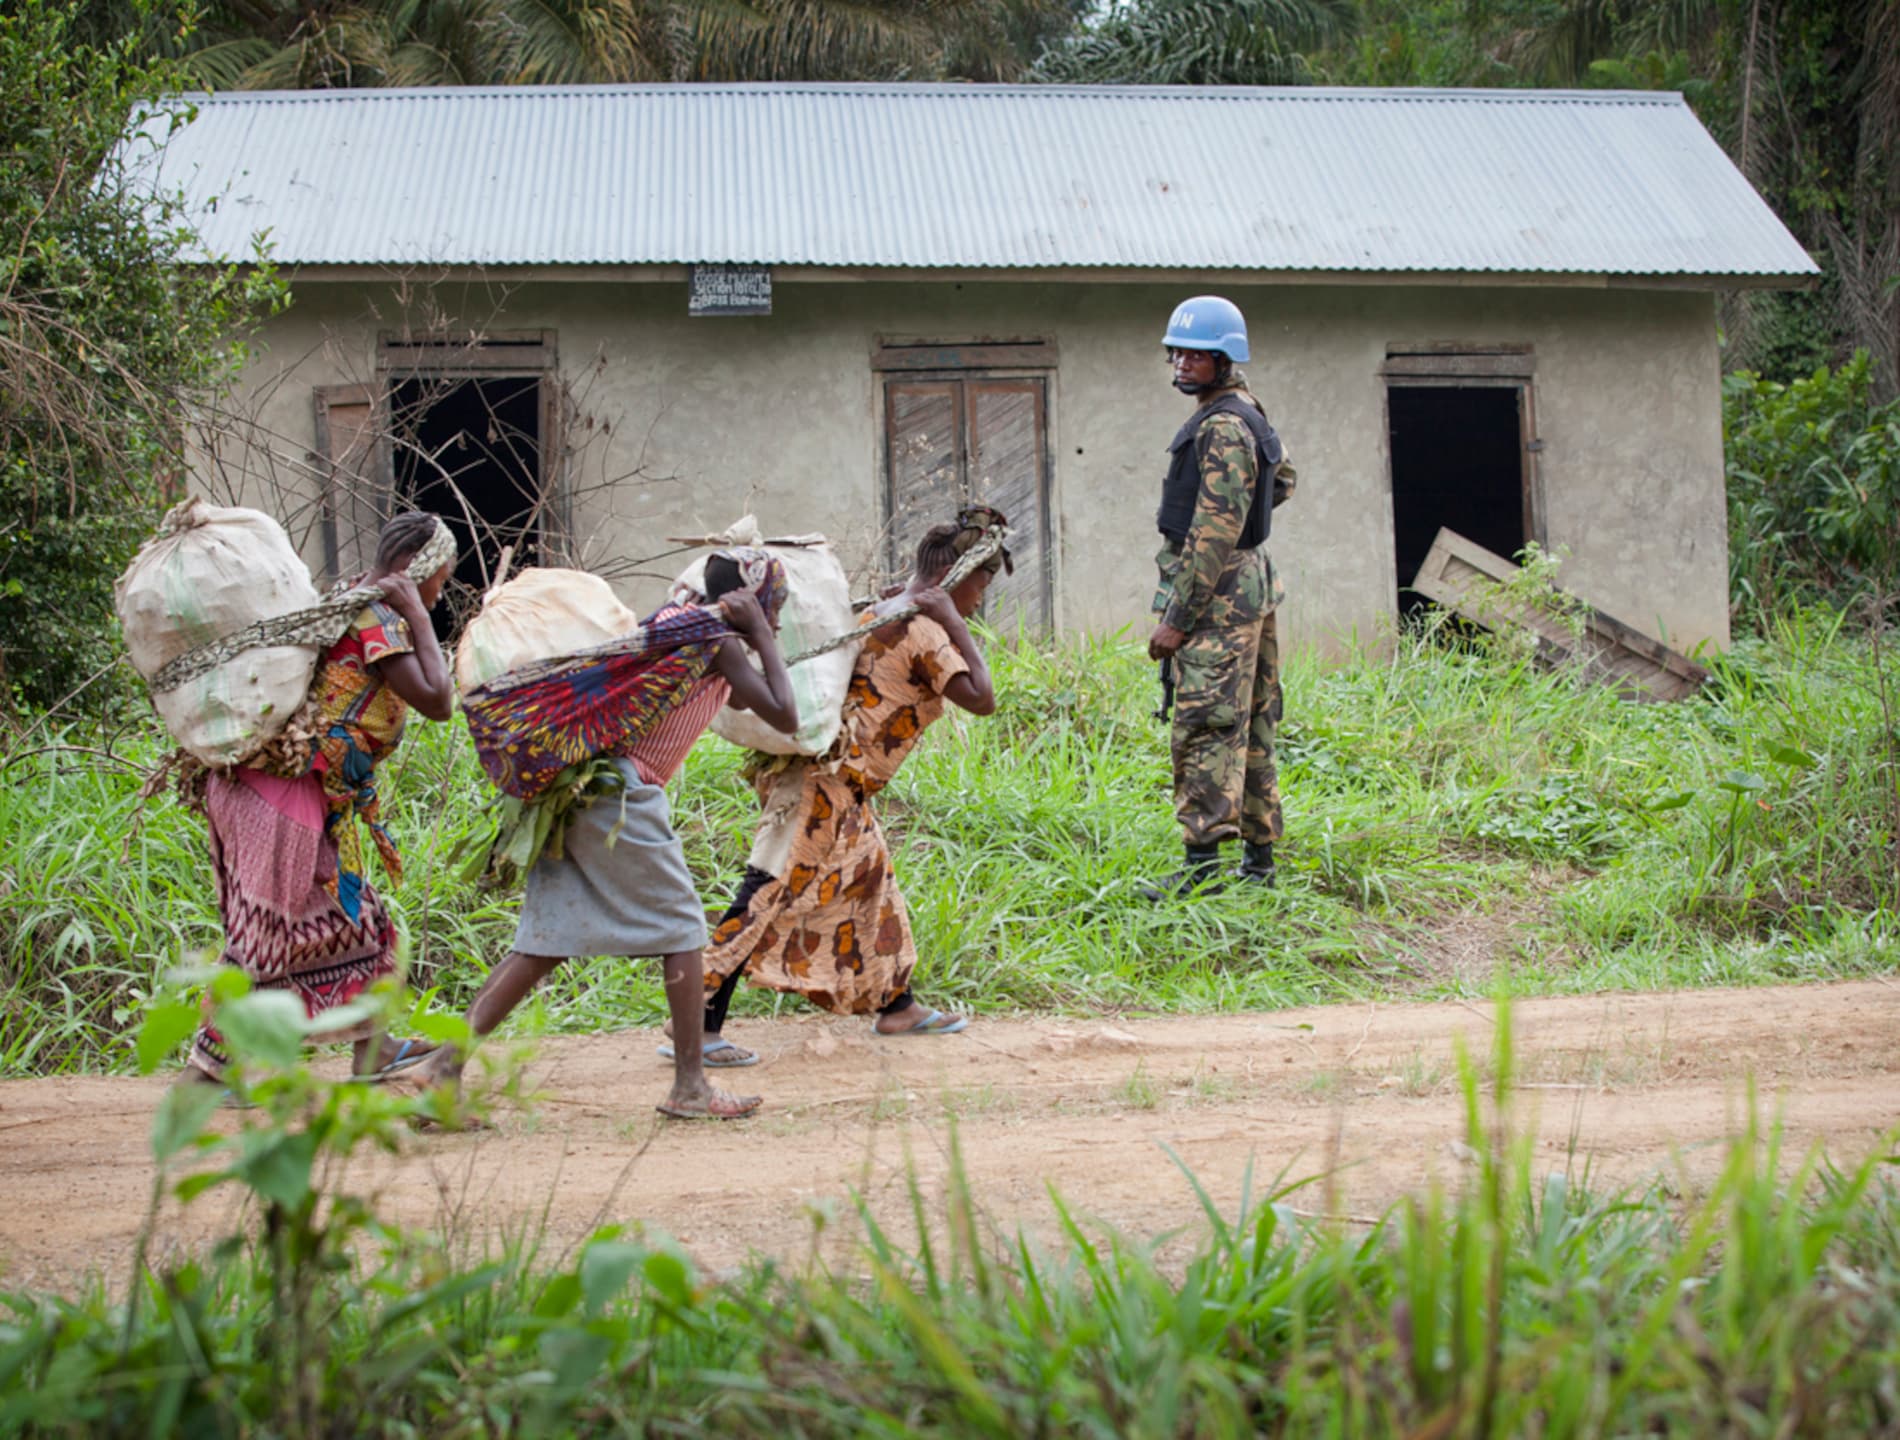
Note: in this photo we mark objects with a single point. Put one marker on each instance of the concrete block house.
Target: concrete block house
(583, 320)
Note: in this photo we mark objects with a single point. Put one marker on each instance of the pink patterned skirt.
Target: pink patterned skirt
(281, 927)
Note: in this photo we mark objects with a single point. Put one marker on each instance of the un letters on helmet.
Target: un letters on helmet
(1208, 322)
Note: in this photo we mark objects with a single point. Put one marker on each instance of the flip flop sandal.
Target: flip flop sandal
(403, 1061)
(464, 1125)
(935, 1023)
(718, 1054)
(746, 1105)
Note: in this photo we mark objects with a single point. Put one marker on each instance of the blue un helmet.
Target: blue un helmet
(1207, 322)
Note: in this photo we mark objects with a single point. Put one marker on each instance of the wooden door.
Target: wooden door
(1006, 450)
(354, 461)
(922, 425)
(968, 439)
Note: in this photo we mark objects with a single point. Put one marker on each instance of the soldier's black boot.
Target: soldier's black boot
(1200, 876)
(1257, 863)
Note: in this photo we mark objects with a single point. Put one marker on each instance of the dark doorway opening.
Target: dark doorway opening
(1457, 461)
(470, 450)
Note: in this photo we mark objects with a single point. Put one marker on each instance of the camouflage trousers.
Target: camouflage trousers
(1227, 708)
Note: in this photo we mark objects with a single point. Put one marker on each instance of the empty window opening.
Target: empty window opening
(1457, 462)
(470, 450)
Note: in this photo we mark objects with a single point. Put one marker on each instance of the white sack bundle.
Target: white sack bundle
(209, 573)
(817, 608)
(541, 614)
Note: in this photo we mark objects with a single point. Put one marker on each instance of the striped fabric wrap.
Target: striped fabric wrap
(534, 722)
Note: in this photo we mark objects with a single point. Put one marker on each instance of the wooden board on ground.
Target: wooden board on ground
(1465, 578)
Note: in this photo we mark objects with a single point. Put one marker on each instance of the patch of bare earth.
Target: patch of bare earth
(1466, 948)
(1638, 1087)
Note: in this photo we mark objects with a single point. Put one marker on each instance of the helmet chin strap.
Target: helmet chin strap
(1223, 377)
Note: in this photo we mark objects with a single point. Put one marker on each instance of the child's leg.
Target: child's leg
(685, 999)
(507, 985)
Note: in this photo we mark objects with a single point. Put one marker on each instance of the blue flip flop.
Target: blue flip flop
(711, 1050)
(935, 1023)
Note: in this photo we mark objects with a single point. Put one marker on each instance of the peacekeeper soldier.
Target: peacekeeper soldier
(1216, 601)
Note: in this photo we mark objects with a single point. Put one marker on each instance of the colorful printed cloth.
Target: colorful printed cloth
(831, 925)
(359, 722)
(531, 724)
(275, 864)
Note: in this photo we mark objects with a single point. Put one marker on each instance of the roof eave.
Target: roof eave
(677, 273)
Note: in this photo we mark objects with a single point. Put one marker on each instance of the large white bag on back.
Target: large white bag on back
(817, 607)
(541, 614)
(210, 572)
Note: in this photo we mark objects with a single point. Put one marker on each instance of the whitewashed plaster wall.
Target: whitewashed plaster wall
(780, 415)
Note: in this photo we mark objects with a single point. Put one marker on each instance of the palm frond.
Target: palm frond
(815, 40)
(565, 42)
(225, 64)
(1200, 42)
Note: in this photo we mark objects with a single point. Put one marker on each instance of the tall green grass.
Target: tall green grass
(1745, 836)
(1522, 1304)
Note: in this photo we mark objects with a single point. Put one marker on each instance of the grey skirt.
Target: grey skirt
(634, 896)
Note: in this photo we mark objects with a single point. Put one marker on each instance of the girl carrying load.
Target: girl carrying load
(287, 849)
(818, 912)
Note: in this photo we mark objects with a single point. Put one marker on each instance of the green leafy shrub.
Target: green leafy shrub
(108, 337)
(1813, 490)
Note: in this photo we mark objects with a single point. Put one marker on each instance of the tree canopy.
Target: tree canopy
(105, 340)
(295, 44)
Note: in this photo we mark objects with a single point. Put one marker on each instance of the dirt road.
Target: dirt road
(1640, 1085)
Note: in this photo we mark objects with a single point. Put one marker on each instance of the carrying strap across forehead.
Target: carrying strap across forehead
(977, 523)
(439, 551)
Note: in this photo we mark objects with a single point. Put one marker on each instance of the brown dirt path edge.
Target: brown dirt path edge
(1636, 1087)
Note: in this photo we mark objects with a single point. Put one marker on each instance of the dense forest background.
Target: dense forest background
(106, 342)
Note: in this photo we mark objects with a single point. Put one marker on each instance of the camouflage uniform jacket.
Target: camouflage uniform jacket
(1207, 583)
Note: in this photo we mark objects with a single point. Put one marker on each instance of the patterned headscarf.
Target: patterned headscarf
(440, 550)
(973, 523)
(760, 571)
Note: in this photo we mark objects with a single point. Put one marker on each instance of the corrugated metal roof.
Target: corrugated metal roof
(980, 177)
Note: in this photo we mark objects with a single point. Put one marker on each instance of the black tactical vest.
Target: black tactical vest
(1183, 484)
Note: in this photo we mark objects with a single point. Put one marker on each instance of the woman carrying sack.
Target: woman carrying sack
(818, 913)
(626, 714)
(287, 848)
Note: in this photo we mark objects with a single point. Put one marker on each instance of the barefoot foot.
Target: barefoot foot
(703, 1102)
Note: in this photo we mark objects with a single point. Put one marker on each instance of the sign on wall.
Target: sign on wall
(730, 290)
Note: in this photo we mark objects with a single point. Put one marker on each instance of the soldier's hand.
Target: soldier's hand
(1165, 641)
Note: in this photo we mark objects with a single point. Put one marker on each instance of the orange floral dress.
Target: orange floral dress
(830, 924)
